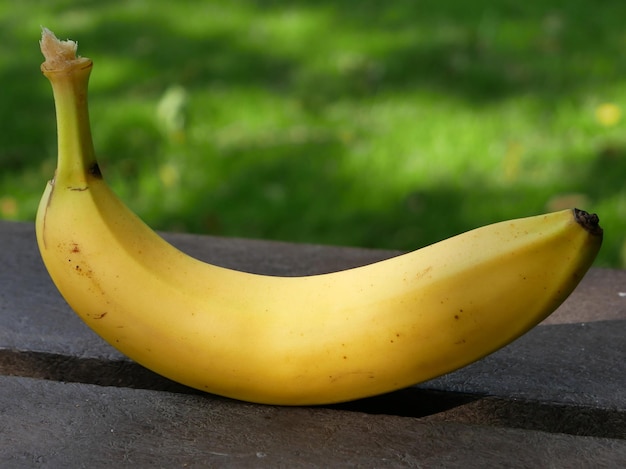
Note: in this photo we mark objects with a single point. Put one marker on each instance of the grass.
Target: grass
(378, 124)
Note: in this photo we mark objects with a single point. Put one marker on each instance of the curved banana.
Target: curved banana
(295, 340)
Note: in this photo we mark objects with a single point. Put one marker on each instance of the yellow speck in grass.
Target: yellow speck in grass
(169, 175)
(608, 114)
(8, 207)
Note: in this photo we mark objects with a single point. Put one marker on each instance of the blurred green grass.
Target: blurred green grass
(378, 124)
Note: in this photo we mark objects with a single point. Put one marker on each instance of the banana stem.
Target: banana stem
(69, 77)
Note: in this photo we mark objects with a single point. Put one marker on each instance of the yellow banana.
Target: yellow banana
(290, 340)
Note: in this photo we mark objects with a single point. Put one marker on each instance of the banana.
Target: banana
(289, 340)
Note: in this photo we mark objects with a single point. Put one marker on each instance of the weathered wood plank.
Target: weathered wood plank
(48, 424)
(554, 398)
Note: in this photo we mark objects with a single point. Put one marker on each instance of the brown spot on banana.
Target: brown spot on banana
(94, 170)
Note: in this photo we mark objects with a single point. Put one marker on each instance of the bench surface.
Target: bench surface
(556, 397)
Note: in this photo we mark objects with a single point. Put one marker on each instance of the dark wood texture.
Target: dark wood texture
(554, 398)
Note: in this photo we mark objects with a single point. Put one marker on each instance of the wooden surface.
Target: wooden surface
(554, 398)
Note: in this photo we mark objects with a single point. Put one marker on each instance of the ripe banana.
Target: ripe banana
(289, 340)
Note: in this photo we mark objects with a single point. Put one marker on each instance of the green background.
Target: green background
(378, 124)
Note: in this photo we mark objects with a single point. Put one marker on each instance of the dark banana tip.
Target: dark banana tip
(589, 221)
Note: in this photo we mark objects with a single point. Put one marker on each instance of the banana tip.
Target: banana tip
(589, 221)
